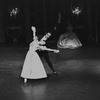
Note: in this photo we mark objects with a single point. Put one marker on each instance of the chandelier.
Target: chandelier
(76, 11)
(76, 7)
(13, 11)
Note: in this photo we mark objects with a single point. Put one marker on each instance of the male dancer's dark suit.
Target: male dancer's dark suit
(44, 53)
(46, 57)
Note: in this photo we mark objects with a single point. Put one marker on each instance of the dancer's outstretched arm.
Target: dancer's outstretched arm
(48, 49)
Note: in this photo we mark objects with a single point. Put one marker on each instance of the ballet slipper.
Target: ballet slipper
(55, 73)
(25, 80)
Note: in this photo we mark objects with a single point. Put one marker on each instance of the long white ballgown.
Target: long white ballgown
(33, 67)
(68, 41)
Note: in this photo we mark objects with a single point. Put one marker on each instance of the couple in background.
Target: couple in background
(69, 39)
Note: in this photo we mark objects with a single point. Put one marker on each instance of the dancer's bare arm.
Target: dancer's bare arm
(48, 49)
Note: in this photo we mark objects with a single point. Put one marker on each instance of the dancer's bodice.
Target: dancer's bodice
(33, 46)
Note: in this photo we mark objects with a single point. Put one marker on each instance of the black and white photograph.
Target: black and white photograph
(49, 50)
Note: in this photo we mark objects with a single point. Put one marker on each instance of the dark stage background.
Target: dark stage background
(43, 14)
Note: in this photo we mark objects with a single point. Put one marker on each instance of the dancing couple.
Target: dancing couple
(69, 39)
(33, 67)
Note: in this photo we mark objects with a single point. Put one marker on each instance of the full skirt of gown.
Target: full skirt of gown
(70, 42)
(33, 67)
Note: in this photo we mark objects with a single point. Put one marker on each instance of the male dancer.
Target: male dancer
(44, 53)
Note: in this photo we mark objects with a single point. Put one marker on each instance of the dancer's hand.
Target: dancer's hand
(56, 51)
(42, 42)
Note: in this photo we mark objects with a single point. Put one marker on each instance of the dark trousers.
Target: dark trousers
(46, 57)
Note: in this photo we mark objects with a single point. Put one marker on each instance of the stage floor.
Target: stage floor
(78, 75)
